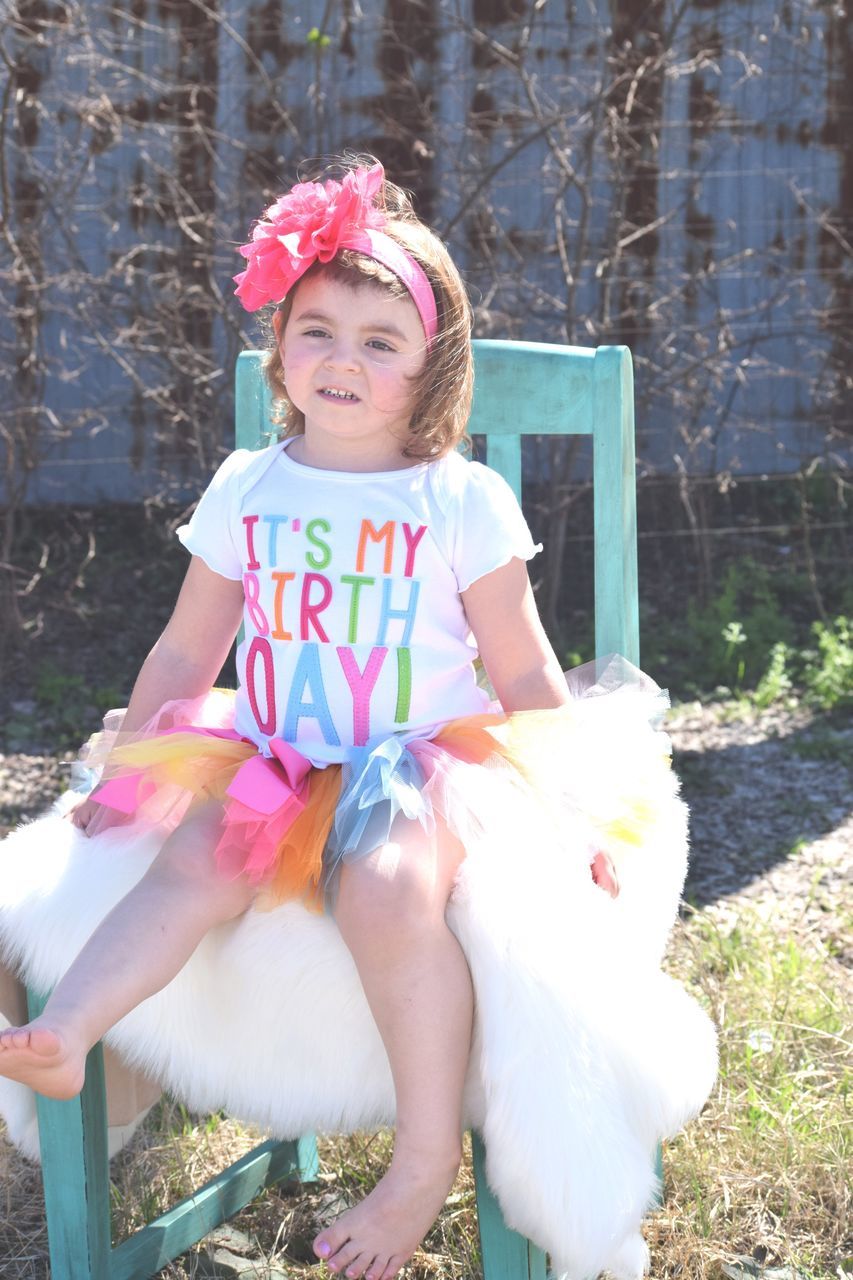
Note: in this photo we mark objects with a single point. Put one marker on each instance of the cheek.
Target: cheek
(295, 364)
(394, 390)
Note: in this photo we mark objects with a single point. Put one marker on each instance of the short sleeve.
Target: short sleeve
(488, 528)
(210, 531)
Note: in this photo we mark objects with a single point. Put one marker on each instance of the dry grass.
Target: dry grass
(764, 1175)
(760, 1181)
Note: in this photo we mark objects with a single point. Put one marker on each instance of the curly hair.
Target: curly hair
(444, 388)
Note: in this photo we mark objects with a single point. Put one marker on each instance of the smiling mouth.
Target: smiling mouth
(332, 393)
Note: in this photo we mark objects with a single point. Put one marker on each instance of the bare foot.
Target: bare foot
(40, 1056)
(378, 1236)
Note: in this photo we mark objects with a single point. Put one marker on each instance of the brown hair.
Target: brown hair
(444, 388)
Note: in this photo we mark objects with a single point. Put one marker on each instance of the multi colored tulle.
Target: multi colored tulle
(289, 826)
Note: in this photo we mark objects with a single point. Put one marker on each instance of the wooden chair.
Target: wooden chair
(522, 388)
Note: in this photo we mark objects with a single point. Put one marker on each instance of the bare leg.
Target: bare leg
(135, 951)
(391, 915)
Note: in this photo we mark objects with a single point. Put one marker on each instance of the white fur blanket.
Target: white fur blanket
(585, 1054)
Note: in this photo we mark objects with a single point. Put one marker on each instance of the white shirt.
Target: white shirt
(353, 624)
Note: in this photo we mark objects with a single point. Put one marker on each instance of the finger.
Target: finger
(95, 823)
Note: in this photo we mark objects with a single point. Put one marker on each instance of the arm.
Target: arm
(183, 663)
(521, 664)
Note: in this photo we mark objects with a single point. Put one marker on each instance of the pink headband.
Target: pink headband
(310, 224)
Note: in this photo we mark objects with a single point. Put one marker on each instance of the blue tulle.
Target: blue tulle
(379, 783)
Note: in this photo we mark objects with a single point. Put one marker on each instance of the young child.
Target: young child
(370, 564)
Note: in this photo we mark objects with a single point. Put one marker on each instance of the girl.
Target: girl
(369, 564)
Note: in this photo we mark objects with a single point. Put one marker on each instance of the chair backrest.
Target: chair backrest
(535, 388)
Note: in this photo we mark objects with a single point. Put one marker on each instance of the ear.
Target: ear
(278, 325)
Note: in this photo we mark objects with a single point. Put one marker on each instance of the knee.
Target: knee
(189, 853)
(398, 891)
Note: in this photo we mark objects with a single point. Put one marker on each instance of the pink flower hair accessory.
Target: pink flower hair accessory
(312, 223)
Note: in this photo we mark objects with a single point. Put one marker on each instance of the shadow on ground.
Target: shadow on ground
(773, 785)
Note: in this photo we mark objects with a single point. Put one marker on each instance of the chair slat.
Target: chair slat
(149, 1249)
(75, 1172)
(503, 453)
(617, 626)
(535, 388)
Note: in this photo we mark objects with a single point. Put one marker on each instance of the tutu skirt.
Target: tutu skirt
(288, 826)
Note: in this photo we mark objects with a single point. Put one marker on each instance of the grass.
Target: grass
(762, 1178)
(759, 1184)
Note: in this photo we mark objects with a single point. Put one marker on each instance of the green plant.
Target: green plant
(729, 639)
(735, 636)
(776, 682)
(68, 706)
(318, 39)
(733, 633)
(828, 670)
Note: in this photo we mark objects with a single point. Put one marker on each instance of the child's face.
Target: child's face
(349, 355)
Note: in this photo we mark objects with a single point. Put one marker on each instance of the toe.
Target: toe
(376, 1270)
(358, 1266)
(394, 1267)
(344, 1256)
(328, 1242)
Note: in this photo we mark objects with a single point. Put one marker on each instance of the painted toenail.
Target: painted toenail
(324, 1249)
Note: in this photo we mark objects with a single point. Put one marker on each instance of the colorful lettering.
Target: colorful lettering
(356, 582)
(361, 685)
(281, 580)
(274, 522)
(252, 593)
(263, 649)
(406, 615)
(308, 679)
(385, 534)
(412, 540)
(309, 611)
(324, 559)
(249, 523)
(404, 685)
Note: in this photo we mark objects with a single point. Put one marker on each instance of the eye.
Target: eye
(379, 344)
(315, 333)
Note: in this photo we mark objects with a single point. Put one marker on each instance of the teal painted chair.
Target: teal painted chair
(522, 388)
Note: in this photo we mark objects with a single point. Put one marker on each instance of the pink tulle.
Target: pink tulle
(308, 224)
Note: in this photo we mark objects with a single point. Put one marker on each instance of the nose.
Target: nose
(342, 353)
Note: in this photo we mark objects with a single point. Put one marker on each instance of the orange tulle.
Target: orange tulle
(181, 767)
(299, 864)
(280, 829)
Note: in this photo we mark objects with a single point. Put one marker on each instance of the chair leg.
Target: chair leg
(75, 1174)
(660, 1194)
(506, 1254)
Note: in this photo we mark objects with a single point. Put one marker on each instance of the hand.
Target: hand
(604, 874)
(92, 817)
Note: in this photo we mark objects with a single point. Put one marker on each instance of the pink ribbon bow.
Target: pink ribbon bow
(266, 796)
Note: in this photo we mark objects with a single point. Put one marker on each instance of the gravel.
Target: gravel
(771, 798)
